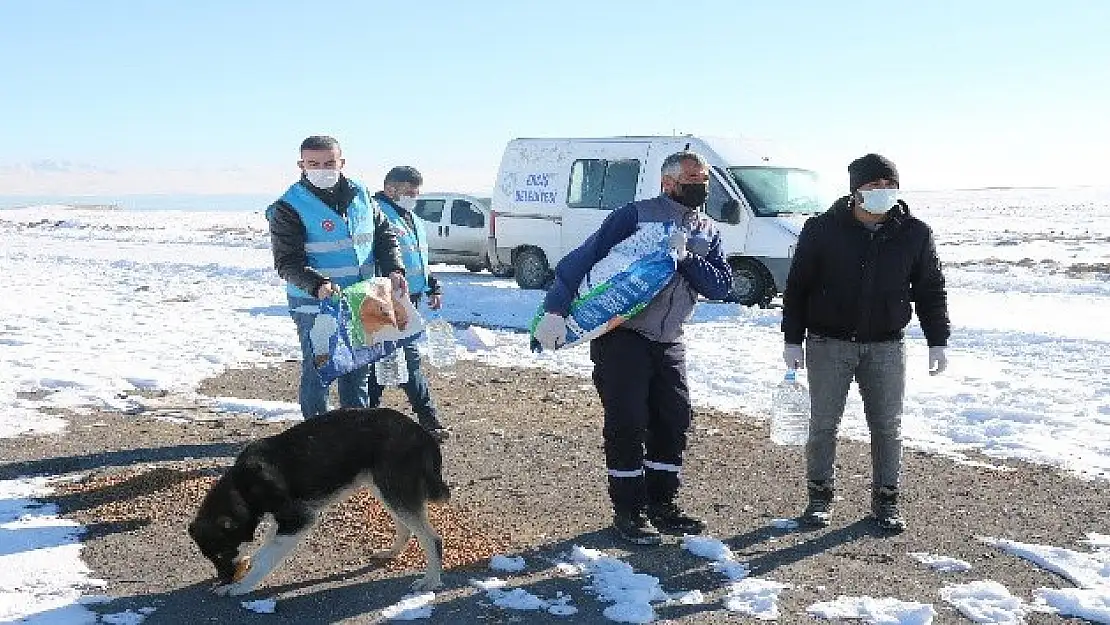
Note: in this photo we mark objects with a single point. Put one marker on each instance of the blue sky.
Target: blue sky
(145, 96)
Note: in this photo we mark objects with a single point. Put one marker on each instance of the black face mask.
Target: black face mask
(691, 195)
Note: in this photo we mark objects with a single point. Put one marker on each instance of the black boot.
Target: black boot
(819, 509)
(432, 426)
(884, 507)
(670, 519)
(633, 526)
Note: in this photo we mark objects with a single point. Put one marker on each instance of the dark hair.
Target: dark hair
(319, 142)
(404, 173)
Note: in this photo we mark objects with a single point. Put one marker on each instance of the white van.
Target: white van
(551, 194)
(458, 230)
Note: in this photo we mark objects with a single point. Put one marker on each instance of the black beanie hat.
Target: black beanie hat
(870, 168)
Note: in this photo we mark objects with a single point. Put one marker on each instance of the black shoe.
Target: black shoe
(668, 518)
(634, 527)
(884, 507)
(441, 434)
(438, 432)
(819, 509)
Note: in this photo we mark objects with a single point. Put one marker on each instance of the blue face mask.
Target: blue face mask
(879, 201)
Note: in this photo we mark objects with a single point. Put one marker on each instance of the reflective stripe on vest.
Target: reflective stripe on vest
(341, 249)
(414, 248)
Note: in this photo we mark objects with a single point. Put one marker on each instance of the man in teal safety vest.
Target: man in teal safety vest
(397, 200)
(328, 234)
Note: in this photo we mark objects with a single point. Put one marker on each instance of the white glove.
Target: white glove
(938, 362)
(551, 331)
(677, 243)
(794, 356)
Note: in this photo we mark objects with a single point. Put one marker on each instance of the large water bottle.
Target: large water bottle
(393, 369)
(441, 343)
(790, 411)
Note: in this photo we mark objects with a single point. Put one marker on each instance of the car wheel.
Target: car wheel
(531, 269)
(751, 285)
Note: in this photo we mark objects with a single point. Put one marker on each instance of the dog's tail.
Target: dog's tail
(433, 476)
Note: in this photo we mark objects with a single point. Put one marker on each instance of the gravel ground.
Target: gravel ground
(526, 471)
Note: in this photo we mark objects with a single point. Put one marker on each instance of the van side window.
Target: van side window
(464, 213)
(586, 179)
(716, 200)
(621, 178)
(598, 183)
(429, 210)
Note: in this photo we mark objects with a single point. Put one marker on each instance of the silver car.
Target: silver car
(458, 230)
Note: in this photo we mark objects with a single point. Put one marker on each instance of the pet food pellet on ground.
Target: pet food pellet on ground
(358, 526)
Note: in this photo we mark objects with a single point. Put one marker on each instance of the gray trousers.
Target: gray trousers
(880, 371)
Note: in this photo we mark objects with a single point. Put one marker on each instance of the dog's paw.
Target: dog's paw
(233, 589)
(425, 584)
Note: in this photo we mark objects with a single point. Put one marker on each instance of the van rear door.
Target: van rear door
(603, 176)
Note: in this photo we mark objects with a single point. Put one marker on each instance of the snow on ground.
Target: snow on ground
(507, 564)
(41, 573)
(1090, 572)
(260, 606)
(411, 607)
(941, 564)
(887, 610)
(108, 302)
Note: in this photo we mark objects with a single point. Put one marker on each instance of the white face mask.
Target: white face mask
(322, 178)
(407, 202)
(879, 201)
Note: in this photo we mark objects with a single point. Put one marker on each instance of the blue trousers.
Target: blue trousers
(313, 396)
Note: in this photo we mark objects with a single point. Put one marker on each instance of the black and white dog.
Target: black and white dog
(293, 476)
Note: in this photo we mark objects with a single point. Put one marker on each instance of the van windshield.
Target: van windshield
(778, 190)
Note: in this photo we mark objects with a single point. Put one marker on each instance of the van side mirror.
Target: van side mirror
(730, 211)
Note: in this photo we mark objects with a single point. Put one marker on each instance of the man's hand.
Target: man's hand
(677, 243)
(326, 290)
(435, 301)
(938, 362)
(399, 282)
(794, 356)
(551, 331)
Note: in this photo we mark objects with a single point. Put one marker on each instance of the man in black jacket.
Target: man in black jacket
(855, 272)
(326, 233)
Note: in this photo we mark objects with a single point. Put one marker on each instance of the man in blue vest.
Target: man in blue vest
(328, 234)
(397, 200)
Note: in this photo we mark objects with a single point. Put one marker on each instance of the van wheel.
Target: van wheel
(751, 284)
(531, 269)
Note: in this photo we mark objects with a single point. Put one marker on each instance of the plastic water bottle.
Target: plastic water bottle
(393, 369)
(790, 411)
(441, 343)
